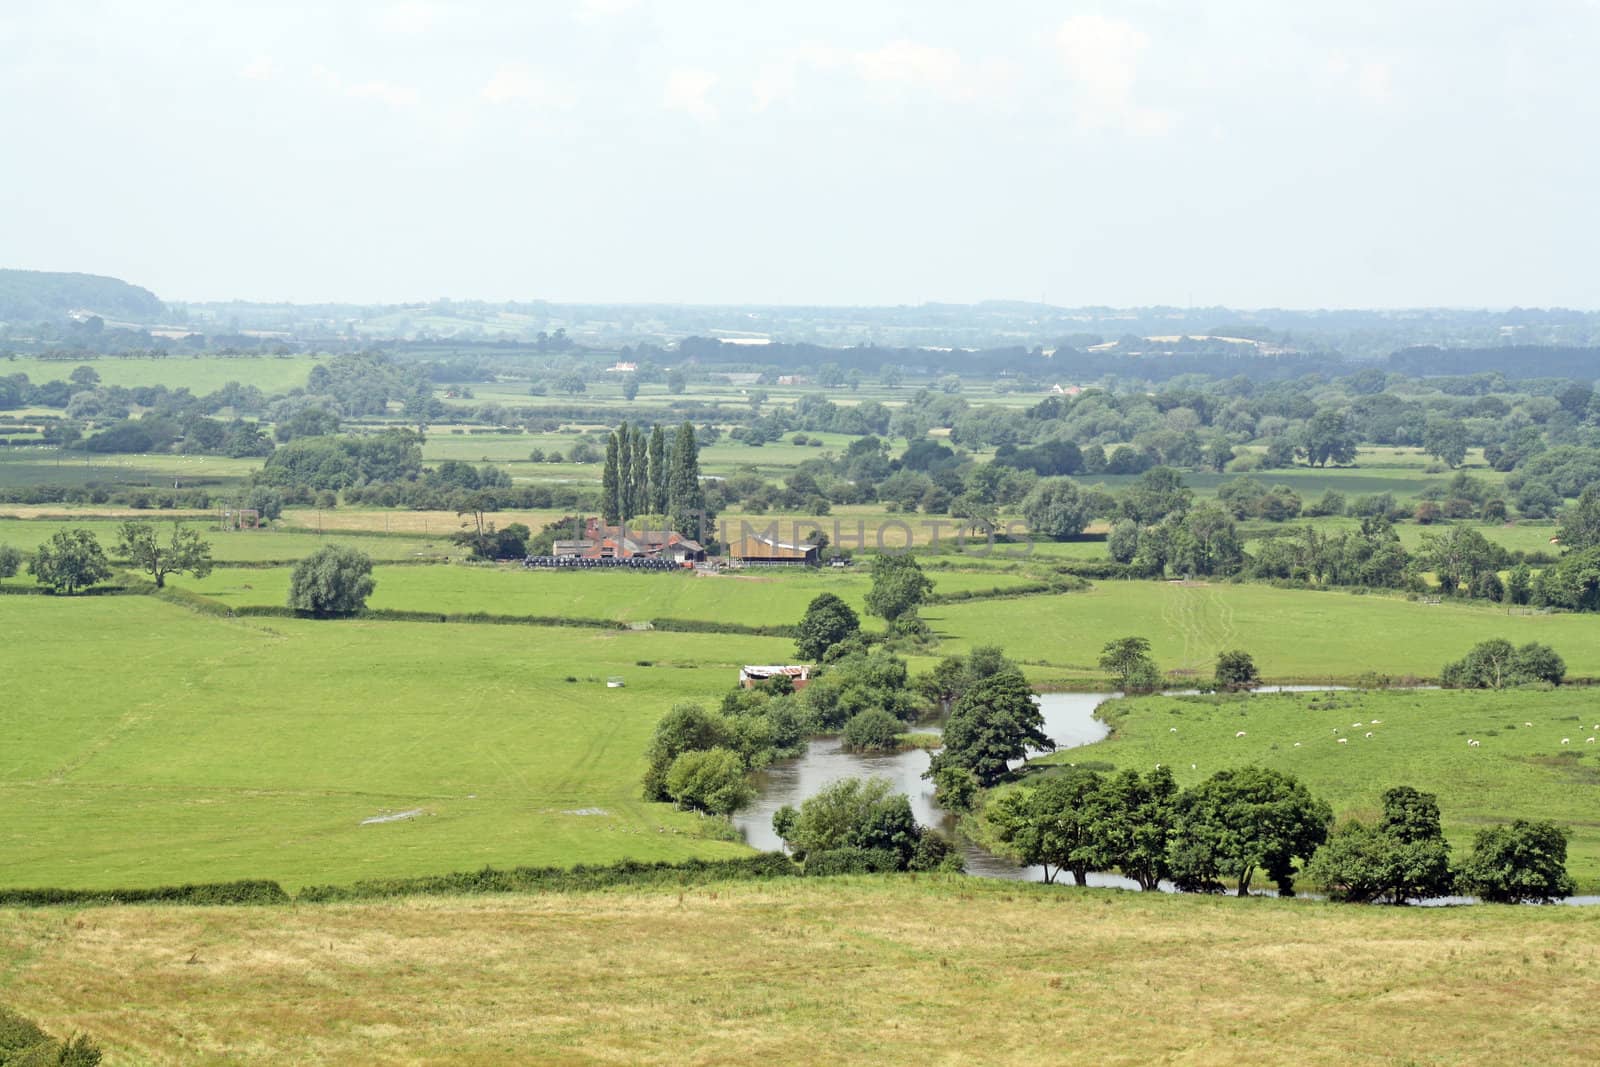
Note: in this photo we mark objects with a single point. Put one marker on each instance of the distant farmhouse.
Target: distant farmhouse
(759, 550)
(600, 541)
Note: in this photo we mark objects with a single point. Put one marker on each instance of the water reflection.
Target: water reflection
(1069, 721)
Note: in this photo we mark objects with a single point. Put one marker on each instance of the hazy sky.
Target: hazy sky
(1302, 153)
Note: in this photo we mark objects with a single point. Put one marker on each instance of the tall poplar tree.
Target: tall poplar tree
(624, 441)
(658, 470)
(610, 502)
(686, 499)
(639, 476)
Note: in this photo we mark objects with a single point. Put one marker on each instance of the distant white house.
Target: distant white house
(622, 368)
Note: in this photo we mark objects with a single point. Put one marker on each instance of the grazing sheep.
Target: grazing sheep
(1527, 724)
(1588, 740)
(1357, 725)
(1376, 722)
(1297, 744)
(1473, 744)
(1344, 740)
(1172, 729)
(1369, 733)
(1239, 734)
(1566, 740)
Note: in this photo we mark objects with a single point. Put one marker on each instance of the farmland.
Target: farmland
(892, 968)
(1418, 738)
(232, 749)
(1293, 634)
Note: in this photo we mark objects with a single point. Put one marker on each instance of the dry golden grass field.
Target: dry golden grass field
(941, 970)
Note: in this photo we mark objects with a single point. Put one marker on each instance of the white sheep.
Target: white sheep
(1527, 724)
(1357, 725)
(1239, 734)
(1588, 740)
(1369, 733)
(1566, 740)
(1172, 729)
(1344, 740)
(1473, 744)
(1297, 744)
(1376, 722)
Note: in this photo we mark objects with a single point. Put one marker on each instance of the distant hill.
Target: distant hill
(39, 296)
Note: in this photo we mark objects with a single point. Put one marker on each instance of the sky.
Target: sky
(1256, 154)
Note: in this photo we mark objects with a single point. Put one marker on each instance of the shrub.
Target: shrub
(1236, 671)
(1495, 664)
(10, 561)
(335, 580)
(1524, 861)
(851, 860)
(872, 730)
(710, 780)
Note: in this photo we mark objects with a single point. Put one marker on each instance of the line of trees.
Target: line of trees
(1251, 821)
(643, 475)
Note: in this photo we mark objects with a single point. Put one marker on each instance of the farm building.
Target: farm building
(757, 549)
(600, 541)
(798, 674)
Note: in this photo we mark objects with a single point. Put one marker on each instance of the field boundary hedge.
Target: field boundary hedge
(583, 877)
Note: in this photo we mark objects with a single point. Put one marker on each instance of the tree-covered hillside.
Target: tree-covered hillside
(37, 296)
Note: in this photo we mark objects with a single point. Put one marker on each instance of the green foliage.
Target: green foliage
(856, 682)
(1496, 664)
(686, 499)
(1056, 824)
(71, 560)
(1123, 541)
(1573, 583)
(1236, 671)
(1404, 856)
(1580, 521)
(10, 561)
(1057, 509)
(24, 1044)
(1327, 438)
(872, 730)
(184, 552)
(850, 859)
(710, 780)
(686, 728)
(1518, 863)
(827, 621)
(996, 720)
(853, 814)
(898, 587)
(1238, 821)
(335, 580)
(205, 894)
(1127, 659)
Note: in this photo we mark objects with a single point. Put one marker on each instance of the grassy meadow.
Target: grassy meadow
(628, 596)
(149, 745)
(199, 374)
(247, 546)
(889, 969)
(1294, 634)
(1419, 738)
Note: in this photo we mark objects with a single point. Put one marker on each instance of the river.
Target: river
(1069, 721)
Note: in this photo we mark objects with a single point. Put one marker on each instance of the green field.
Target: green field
(146, 744)
(1293, 634)
(887, 970)
(49, 466)
(200, 374)
(1419, 739)
(772, 599)
(237, 547)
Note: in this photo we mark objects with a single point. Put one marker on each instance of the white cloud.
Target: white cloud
(1101, 56)
(412, 16)
(396, 96)
(687, 89)
(910, 63)
(778, 79)
(520, 85)
(1375, 81)
(604, 9)
(259, 69)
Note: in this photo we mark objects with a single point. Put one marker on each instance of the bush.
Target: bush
(10, 561)
(1495, 664)
(335, 580)
(872, 730)
(709, 780)
(1236, 671)
(207, 893)
(1525, 861)
(851, 860)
